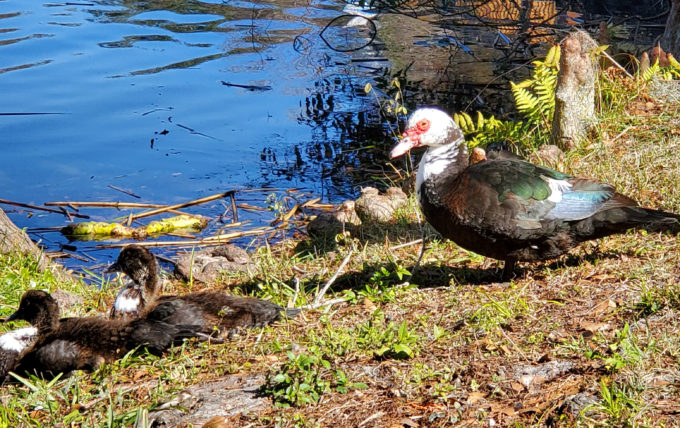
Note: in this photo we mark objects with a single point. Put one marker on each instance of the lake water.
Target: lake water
(130, 94)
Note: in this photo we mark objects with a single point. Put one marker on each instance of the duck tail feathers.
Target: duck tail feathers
(291, 312)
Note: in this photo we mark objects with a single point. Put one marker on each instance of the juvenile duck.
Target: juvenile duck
(67, 344)
(510, 209)
(12, 345)
(217, 311)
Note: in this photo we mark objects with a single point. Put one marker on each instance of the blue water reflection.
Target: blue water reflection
(133, 97)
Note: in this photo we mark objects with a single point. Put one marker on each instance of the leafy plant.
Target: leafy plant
(304, 378)
(623, 351)
(535, 101)
(616, 403)
(535, 97)
(381, 286)
(670, 72)
(388, 341)
(390, 102)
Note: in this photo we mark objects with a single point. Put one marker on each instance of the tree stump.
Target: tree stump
(670, 40)
(13, 239)
(575, 92)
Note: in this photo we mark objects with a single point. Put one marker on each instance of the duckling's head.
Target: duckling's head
(38, 308)
(138, 263)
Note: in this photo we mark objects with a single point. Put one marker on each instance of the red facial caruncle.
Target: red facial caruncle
(414, 132)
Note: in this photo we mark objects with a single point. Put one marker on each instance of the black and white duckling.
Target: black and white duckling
(68, 344)
(13, 344)
(217, 311)
(143, 287)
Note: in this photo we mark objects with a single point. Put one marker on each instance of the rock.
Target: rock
(477, 155)
(211, 402)
(551, 155)
(574, 404)
(206, 265)
(372, 206)
(66, 300)
(334, 222)
(532, 376)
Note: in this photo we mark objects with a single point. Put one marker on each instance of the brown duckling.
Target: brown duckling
(219, 312)
(68, 344)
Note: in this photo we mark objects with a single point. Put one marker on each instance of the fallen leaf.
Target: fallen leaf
(502, 408)
(592, 326)
(474, 397)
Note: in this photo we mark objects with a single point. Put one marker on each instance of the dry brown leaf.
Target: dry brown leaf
(474, 397)
(593, 326)
(503, 408)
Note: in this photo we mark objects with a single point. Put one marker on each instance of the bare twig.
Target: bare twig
(104, 204)
(323, 304)
(233, 207)
(407, 244)
(333, 278)
(127, 192)
(422, 253)
(297, 290)
(182, 205)
(370, 418)
(617, 64)
(210, 240)
(34, 207)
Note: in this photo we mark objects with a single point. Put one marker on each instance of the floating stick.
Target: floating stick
(182, 205)
(50, 210)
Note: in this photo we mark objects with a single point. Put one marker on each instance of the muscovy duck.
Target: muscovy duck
(507, 208)
(67, 344)
(217, 311)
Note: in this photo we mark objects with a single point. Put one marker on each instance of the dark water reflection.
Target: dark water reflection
(135, 99)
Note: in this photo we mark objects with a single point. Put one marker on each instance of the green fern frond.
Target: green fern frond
(652, 71)
(525, 101)
(535, 97)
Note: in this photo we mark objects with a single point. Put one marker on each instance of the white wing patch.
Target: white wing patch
(126, 303)
(18, 340)
(557, 188)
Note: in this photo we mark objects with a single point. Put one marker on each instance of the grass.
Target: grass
(448, 346)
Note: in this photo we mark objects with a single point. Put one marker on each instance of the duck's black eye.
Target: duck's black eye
(423, 125)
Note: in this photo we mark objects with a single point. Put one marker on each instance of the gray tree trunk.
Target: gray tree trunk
(575, 92)
(670, 41)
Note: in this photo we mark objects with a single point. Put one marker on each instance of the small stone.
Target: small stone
(574, 404)
(206, 265)
(372, 206)
(66, 300)
(478, 155)
(550, 154)
(335, 222)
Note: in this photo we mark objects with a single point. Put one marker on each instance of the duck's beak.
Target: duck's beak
(12, 317)
(409, 140)
(113, 268)
(404, 145)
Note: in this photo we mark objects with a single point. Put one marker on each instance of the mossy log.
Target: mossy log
(98, 230)
(575, 92)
